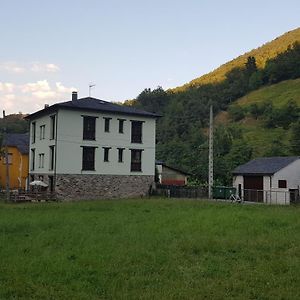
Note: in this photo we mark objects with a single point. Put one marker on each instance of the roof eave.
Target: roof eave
(252, 174)
(56, 107)
(42, 112)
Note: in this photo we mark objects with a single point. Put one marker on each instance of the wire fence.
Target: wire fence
(271, 196)
(230, 194)
(172, 191)
(27, 196)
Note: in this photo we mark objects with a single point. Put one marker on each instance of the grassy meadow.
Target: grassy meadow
(149, 249)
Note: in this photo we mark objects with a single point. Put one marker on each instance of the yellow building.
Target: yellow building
(18, 148)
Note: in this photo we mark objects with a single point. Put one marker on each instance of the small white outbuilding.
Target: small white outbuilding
(274, 180)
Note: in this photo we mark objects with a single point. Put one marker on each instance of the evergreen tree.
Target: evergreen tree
(251, 65)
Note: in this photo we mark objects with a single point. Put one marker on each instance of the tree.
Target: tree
(277, 149)
(153, 100)
(236, 112)
(251, 65)
(295, 138)
(255, 80)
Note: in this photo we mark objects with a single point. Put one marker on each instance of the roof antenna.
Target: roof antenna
(91, 85)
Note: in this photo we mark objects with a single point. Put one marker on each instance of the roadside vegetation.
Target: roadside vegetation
(269, 74)
(149, 249)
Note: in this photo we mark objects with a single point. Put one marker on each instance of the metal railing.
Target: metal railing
(270, 196)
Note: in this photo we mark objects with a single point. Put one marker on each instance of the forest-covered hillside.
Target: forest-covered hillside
(181, 133)
(261, 54)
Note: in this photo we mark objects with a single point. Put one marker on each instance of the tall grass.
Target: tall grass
(149, 249)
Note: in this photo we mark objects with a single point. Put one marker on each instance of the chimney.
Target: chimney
(74, 96)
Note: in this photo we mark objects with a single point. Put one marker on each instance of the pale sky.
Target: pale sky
(49, 48)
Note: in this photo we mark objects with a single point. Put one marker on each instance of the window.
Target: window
(106, 153)
(33, 132)
(121, 125)
(9, 159)
(106, 124)
(32, 159)
(120, 154)
(52, 127)
(88, 158)
(89, 128)
(41, 160)
(51, 157)
(282, 184)
(136, 160)
(42, 132)
(136, 131)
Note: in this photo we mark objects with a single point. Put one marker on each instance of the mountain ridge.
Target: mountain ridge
(263, 53)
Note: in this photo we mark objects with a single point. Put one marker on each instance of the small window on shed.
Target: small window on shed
(282, 184)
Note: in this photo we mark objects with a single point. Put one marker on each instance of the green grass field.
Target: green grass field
(254, 131)
(149, 249)
(279, 94)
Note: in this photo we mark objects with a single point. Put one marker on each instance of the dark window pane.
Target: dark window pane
(121, 126)
(106, 154)
(33, 132)
(52, 127)
(120, 154)
(32, 159)
(51, 165)
(282, 184)
(136, 131)
(88, 158)
(136, 160)
(89, 128)
(106, 124)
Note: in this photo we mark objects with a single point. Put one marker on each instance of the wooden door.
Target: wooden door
(253, 188)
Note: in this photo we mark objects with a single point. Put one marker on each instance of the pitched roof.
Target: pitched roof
(264, 165)
(160, 162)
(93, 104)
(19, 140)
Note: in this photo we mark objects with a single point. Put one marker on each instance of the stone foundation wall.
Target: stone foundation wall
(83, 186)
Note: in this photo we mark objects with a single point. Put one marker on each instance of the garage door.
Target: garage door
(253, 188)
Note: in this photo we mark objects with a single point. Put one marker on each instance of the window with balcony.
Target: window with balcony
(88, 158)
(89, 128)
(136, 160)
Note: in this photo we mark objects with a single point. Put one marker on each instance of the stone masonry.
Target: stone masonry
(92, 186)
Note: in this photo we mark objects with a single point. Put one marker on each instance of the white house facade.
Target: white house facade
(274, 180)
(89, 148)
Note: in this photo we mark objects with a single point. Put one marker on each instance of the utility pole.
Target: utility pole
(6, 157)
(211, 154)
